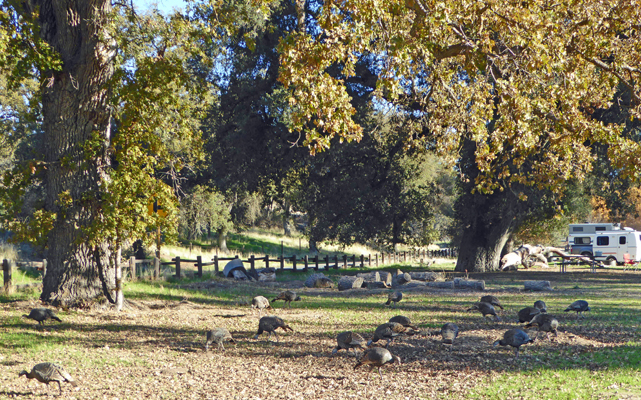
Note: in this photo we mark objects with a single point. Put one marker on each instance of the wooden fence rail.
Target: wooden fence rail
(297, 263)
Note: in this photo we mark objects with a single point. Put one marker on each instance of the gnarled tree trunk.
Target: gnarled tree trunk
(481, 246)
(75, 109)
(488, 220)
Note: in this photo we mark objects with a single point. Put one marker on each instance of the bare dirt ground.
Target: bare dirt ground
(156, 352)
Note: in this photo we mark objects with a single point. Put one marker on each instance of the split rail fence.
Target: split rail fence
(152, 267)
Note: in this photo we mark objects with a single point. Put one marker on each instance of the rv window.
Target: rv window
(599, 228)
(582, 240)
(603, 241)
(577, 229)
(621, 239)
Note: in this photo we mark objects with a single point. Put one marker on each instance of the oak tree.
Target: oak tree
(507, 88)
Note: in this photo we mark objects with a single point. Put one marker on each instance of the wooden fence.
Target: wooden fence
(138, 268)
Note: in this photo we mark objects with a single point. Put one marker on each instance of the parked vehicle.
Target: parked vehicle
(605, 242)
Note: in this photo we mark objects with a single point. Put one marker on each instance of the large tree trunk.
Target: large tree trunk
(222, 240)
(488, 220)
(75, 109)
(481, 246)
(287, 228)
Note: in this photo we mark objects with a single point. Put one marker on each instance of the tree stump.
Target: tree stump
(386, 277)
(460, 283)
(537, 285)
(402, 279)
(370, 276)
(441, 285)
(376, 285)
(350, 282)
(426, 276)
(265, 276)
(319, 281)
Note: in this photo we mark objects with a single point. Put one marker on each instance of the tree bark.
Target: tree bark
(481, 246)
(287, 228)
(222, 239)
(75, 109)
(488, 219)
(120, 298)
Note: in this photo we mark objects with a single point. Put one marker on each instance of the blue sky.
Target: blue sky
(163, 5)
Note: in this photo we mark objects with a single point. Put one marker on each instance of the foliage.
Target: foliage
(203, 211)
(464, 65)
(379, 190)
(250, 151)
(157, 101)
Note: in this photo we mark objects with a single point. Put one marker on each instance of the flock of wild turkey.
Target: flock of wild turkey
(535, 316)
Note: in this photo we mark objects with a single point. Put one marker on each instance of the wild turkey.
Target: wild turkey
(288, 296)
(493, 300)
(394, 297)
(218, 336)
(269, 324)
(261, 303)
(579, 306)
(526, 314)
(389, 331)
(545, 323)
(403, 320)
(540, 304)
(515, 338)
(41, 315)
(485, 309)
(377, 357)
(49, 372)
(449, 332)
(349, 340)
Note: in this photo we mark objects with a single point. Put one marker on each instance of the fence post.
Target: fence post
(362, 261)
(306, 261)
(199, 264)
(316, 262)
(326, 262)
(6, 269)
(132, 267)
(382, 258)
(354, 261)
(266, 261)
(294, 262)
(336, 261)
(177, 267)
(282, 262)
(251, 264)
(156, 267)
(344, 261)
(216, 263)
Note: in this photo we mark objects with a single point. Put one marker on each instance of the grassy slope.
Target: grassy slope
(599, 357)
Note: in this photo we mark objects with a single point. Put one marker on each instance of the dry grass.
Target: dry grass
(156, 352)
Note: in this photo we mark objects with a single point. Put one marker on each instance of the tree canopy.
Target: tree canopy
(506, 90)
(536, 70)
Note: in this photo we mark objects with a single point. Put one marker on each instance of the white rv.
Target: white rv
(605, 242)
